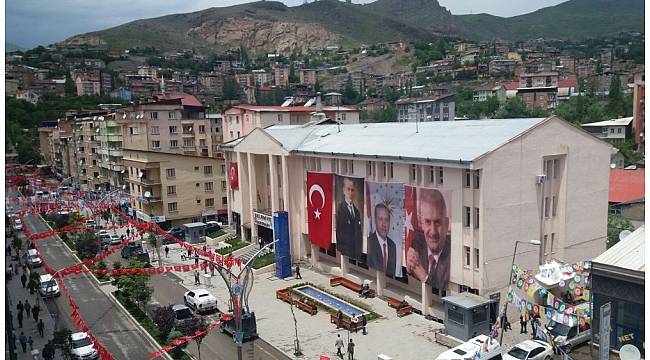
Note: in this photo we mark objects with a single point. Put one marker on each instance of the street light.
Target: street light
(505, 306)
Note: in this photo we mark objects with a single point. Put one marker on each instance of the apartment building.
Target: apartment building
(261, 77)
(638, 109)
(109, 135)
(88, 84)
(439, 107)
(281, 76)
(239, 120)
(539, 90)
(174, 172)
(307, 76)
(503, 180)
(614, 131)
(212, 83)
(85, 142)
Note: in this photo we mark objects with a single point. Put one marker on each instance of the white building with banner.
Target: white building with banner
(462, 191)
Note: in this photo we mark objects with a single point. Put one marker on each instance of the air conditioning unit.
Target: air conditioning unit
(539, 180)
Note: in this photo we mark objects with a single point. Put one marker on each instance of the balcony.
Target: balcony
(188, 133)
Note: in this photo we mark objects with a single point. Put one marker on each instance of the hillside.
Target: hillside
(572, 19)
(273, 26)
(9, 47)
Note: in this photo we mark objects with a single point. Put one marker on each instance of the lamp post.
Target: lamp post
(514, 254)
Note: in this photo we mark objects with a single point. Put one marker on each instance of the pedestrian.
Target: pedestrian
(128, 232)
(205, 248)
(20, 307)
(298, 276)
(35, 311)
(28, 307)
(260, 242)
(41, 327)
(25, 268)
(523, 321)
(189, 252)
(23, 341)
(205, 266)
(196, 278)
(16, 267)
(196, 259)
(48, 351)
(8, 250)
(10, 271)
(30, 341)
(166, 251)
(339, 316)
(20, 319)
(351, 350)
(364, 322)
(23, 279)
(339, 346)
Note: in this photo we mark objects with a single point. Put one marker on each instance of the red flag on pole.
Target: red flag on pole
(233, 176)
(319, 208)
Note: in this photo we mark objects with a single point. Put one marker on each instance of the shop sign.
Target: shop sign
(263, 220)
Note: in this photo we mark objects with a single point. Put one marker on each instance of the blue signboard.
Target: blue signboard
(282, 244)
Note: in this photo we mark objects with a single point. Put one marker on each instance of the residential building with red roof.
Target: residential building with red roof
(626, 185)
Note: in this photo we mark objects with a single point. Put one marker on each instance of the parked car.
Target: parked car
(114, 239)
(182, 313)
(134, 249)
(33, 258)
(530, 350)
(200, 300)
(90, 223)
(212, 227)
(469, 349)
(176, 232)
(568, 337)
(18, 225)
(83, 347)
(249, 325)
(48, 287)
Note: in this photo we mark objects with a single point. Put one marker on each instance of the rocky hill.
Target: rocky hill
(272, 26)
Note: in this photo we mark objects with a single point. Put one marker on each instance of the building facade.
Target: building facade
(513, 183)
(614, 131)
(435, 108)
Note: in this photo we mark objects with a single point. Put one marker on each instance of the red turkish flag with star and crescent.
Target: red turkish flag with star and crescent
(319, 208)
(233, 176)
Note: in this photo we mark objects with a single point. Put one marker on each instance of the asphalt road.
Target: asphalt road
(123, 338)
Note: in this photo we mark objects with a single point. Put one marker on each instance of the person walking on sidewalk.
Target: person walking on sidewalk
(20, 319)
(166, 251)
(339, 346)
(28, 308)
(298, 276)
(41, 327)
(523, 321)
(35, 311)
(197, 279)
(351, 350)
(20, 306)
(364, 322)
(30, 341)
(23, 341)
(23, 279)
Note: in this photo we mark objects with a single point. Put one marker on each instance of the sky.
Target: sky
(29, 23)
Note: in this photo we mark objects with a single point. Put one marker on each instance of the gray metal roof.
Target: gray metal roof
(459, 141)
(466, 300)
(627, 253)
(195, 224)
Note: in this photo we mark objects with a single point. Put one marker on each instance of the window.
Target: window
(173, 143)
(153, 115)
(133, 130)
(171, 172)
(202, 142)
(477, 179)
(432, 174)
(468, 216)
(611, 130)
(207, 170)
(223, 185)
(155, 144)
(554, 205)
(224, 200)
(552, 243)
(556, 168)
(172, 115)
(155, 130)
(237, 119)
(223, 169)
(171, 190)
(238, 134)
(231, 135)
(476, 217)
(209, 186)
(196, 168)
(455, 316)
(383, 166)
(351, 166)
(188, 142)
(441, 175)
(209, 202)
(390, 170)
(413, 173)
(477, 258)
(468, 255)
(173, 129)
(547, 205)
(619, 130)
(171, 207)
(548, 168)
(201, 129)
(468, 179)
(279, 117)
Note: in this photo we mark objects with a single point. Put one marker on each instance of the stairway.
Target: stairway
(249, 254)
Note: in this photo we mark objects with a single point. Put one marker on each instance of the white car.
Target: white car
(114, 239)
(481, 345)
(33, 258)
(530, 350)
(200, 300)
(18, 225)
(82, 347)
(48, 286)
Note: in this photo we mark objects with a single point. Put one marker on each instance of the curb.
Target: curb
(112, 297)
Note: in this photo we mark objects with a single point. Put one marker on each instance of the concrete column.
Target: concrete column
(314, 255)
(241, 194)
(294, 236)
(344, 265)
(252, 195)
(381, 282)
(426, 298)
(228, 195)
(273, 176)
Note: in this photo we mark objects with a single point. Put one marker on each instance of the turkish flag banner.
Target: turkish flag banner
(319, 208)
(233, 175)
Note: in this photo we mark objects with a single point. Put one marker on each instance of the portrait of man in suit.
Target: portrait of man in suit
(349, 223)
(381, 248)
(428, 258)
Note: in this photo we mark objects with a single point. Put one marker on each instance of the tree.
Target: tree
(513, 108)
(155, 244)
(230, 89)
(196, 327)
(135, 287)
(615, 104)
(63, 342)
(350, 94)
(164, 317)
(87, 245)
(615, 224)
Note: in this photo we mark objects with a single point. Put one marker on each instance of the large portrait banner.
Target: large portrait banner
(427, 235)
(385, 211)
(349, 198)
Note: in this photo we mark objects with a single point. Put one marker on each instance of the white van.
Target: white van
(482, 345)
(48, 286)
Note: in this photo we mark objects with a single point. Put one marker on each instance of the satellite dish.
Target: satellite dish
(140, 174)
(124, 116)
(100, 118)
(147, 194)
(629, 352)
(122, 172)
(97, 131)
(612, 166)
(623, 234)
(94, 117)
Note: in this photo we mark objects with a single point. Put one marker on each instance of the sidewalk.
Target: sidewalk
(18, 293)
